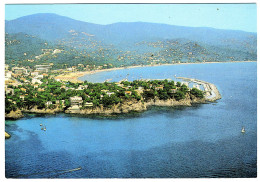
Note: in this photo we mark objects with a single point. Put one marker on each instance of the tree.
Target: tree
(8, 106)
(179, 95)
(51, 106)
(149, 94)
(109, 101)
(197, 93)
(184, 89)
(163, 95)
(41, 105)
(96, 102)
(67, 103)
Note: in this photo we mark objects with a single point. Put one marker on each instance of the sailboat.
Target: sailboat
(243, 130)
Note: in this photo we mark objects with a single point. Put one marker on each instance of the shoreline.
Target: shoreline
(74, 76)
(121, 108)
(7, 135)
(211, 95)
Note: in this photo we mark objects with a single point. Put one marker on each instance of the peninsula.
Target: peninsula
(48, 94)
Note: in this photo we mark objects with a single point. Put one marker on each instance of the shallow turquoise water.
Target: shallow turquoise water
(200, 141)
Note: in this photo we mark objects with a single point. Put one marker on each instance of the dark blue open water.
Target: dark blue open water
(200, 141)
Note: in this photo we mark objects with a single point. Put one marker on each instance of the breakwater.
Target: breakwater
(211, 92)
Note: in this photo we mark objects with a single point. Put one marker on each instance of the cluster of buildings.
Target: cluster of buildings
(15, 72)
(46, 52)
(16, 76)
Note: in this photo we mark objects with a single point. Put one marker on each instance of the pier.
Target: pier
(211, 91)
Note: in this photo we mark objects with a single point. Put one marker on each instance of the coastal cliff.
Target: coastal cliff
(42, 111)
(137, 103)
(124, 107)
(19, 113)
(14, 114)
(137, 106)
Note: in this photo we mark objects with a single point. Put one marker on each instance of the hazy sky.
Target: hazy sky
(222, 16)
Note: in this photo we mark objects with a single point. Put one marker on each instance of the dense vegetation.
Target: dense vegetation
(120, 44)
(25, 50)
(106, 94)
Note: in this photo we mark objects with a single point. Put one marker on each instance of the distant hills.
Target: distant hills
(130, 43)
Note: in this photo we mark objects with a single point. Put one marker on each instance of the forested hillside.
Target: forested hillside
(50, 38)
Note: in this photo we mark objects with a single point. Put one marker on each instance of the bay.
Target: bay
(164, 142)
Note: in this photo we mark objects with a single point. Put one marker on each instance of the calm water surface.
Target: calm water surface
(200, 141)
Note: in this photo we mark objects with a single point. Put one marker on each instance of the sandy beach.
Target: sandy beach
(73, 77)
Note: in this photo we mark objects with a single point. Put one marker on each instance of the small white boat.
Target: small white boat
(243, 130)
(40, 124)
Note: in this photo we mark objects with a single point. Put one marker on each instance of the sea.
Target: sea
(201, 141)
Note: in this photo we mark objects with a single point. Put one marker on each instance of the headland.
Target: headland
(113, 98)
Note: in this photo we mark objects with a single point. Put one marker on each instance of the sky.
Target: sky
(221, 16)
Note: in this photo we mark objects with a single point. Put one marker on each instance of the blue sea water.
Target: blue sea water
(164, 142)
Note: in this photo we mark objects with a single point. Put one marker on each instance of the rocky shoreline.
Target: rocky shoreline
(211, 94)
(7, 135)
(14, 115)
(136, 106)
(125, 107)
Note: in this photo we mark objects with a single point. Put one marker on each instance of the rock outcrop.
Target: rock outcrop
(115, 109)
(133, 105)
(19, 113)
(7, 135)
(14, 114)
(42, 111)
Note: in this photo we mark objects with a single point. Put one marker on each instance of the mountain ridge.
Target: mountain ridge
(57, 15)
(51, 22)
(127, 43)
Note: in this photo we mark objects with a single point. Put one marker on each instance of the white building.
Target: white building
(8, 75)
(9, 90)
(43, 68)
(35, 80)
(35, 73)
(6, 66)
(110, 93)
(76, 100)
(88, 104)
(40, 77)
(48, 103)
(18, 70)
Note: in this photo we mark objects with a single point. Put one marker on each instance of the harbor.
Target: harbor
(211, 91)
